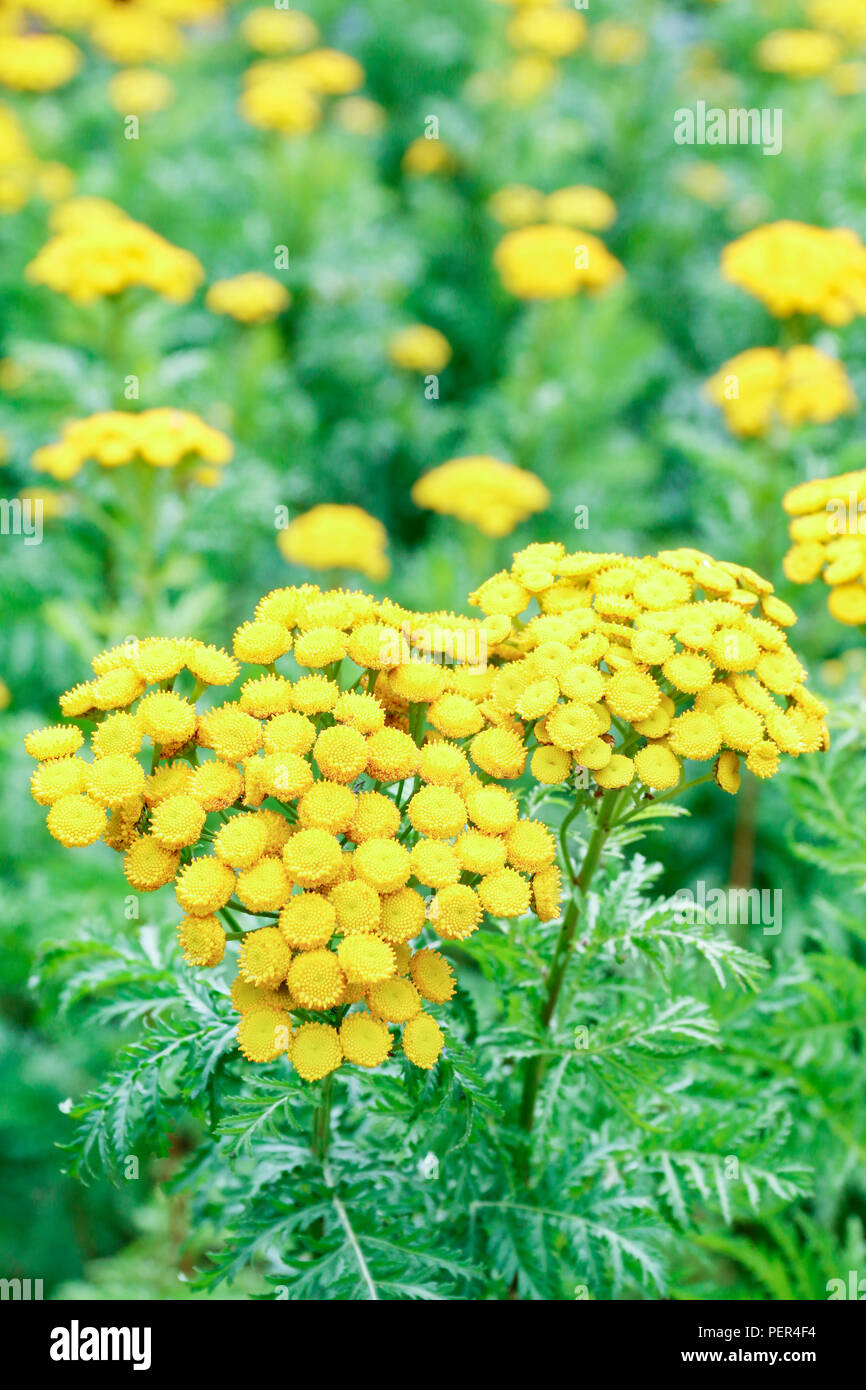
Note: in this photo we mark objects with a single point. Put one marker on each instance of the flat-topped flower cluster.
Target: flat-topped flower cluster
(367, 806)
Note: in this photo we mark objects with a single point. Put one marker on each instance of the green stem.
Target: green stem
(321, 1132)
(563, 950)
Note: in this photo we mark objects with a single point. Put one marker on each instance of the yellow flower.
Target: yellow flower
(392, 756)
(581, 206)
(264, 957)
(530, 846)
(58, 777)
(554, 261)
(202, 940)
(492, 809)
(726, 772)
(384, 864)
(427, 156)
(483, 491)
(110, 255)
(140, 91)
(250, 298)
(315, 1050)
(263, 1035)
(312, 858)
(504, 893)
(801, 386)
(616, 44)
(516, 205)
(76, 821)
(357, 906)
(438, 812)
(419, 348)
(403, 915)
(432, 976)
(307, 921)
(797, 269)
(204, 886)
(695, 735)
(178, 821)
(366, 1041)
(38, 62)
(553, 32)
(133, 34)
(423, 1041)
(434, 863)
(366, 959)
(59, 741)
(278, 31)
(798, 52)
(316, 979)
(276, 99)
(337, 537)
(149, 865)
(547, 894)
(395, 1000)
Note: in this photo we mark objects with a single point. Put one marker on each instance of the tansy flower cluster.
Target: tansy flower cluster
(286, 94)
(162, 438)
(554, 261)
(829, 539)
(37, 62)
(579, 205)
(797, 269)
(250, 298)
(332, 537)
(764, 385)
(355, 808)
(632, 667)
(106, 252)
(798, 52)
(483, 491)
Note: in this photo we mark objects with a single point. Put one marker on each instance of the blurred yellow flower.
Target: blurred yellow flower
(847, 79)
(553, 262)
(419, 348)
(617, 44)
(795, 268)
(337, 537)
(140, 91)
(272, 100)
(250, 298)
(798, 52)
(272, 31)
(328, 71)
(528, 78)
(360, 115)
(705, 181)
(800, 386)
(486, 492)
(162, 438)
(425, 156)
(130, 33)
(38, 62)
(828, 531)
(554, 32)
(516, 205)
(847, 18)
(581, 206)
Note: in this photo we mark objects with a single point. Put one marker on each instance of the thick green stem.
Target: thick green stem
(322, 1120)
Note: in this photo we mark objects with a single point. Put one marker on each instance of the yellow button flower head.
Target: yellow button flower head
(261, 641)
(432, 976)
(278, 31)
(59, 741)
(149, 865)
(215, 785)
(357, 905)
(315, 695)
(384, 864)
(140, 92)
(547, 894)
(485, 492)
(327, 806)
(338, 538)
(250, 298)
(316, 979)
(498, 752)
(178, 821)
(516, 205)
(312, 858)
(395, 1000)
(581, 206)
(38, 62)
(437, 812)
(167, 718)
(366, 959)
(392, 756)
(366, 1041)
(798, 52)
(419, 348)
(434, 863)
(111, 255)
(341, 753)
(264, 887)
(76, 821)
(264, 957)
(403, 915)
(307, 921)
(423, 1041)
(315, 1050)
(428, 156)
(202, 940)
(800, 386)
(58, 777)
(241, 842)
(263, 1035)
(376, 818)
(204, 885)
(555, 32)
(794, 268)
